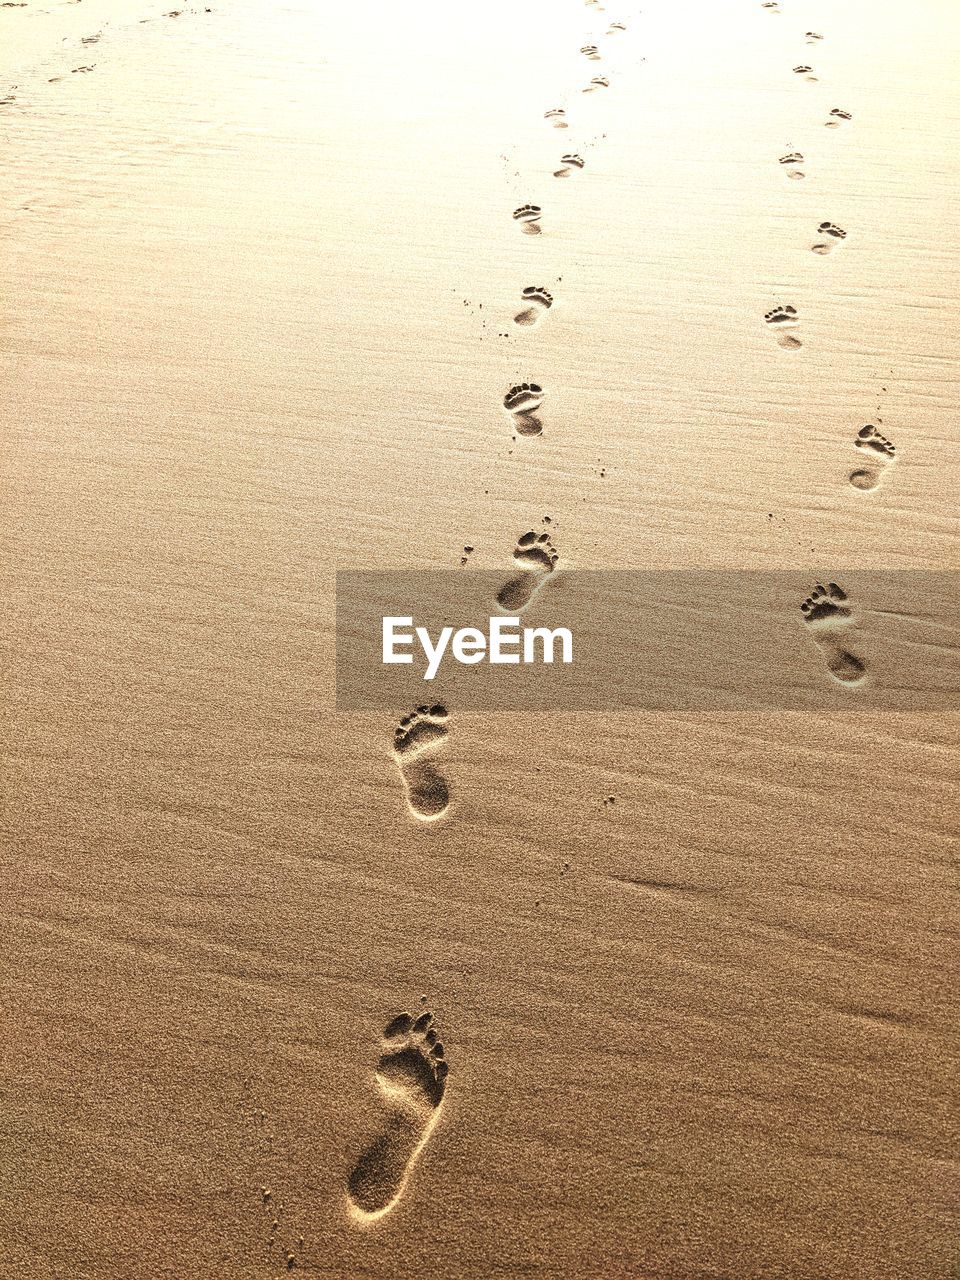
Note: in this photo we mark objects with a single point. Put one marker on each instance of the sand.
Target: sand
(690, 973)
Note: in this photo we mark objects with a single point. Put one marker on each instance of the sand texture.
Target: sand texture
(298, 287)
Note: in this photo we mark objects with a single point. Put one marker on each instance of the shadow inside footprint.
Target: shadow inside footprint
(416, 736)
(529, 215)
(782, 319)
(883, 451)
(537, 301)
(829, 236)
(412, 1078)
(538, 558)
(825, 604)
(825, 610)
(568, 163)
(523, 402)
(845, 666)
(791, 163)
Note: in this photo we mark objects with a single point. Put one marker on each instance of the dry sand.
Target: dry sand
(691, 974)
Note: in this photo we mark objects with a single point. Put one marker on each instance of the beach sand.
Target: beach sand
(691, 973)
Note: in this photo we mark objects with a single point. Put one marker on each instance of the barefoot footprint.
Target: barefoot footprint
(837, 117)
(784, 318)
(812, 37)
(883, 452)
(598, 82)
(826, 604)
(418, 734)
(569, 162)
(557, 117)
(537, 301)
(826, 611)
(538, 558)
(412, 1077)
(805, 71)
(791, 163)
(591, 51)
(529, 215)
(522, 402)
(829, 236)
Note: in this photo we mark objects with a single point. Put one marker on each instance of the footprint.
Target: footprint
(522, 402)
(829, 235)
(812, 37)
(591, 51)
(824, 611)
(557, 117)
(598, 82)
(569, 162)
(91, 39)
(538, 558)
(883, 452)
(412, 1077)
(837, 118)
(614, 27)
(82, 70)
(806, 72)
(771, 5)
(826, 604)
(790, 162)
(421, 731)
(538, 300)
(529, 215)
(780, 319)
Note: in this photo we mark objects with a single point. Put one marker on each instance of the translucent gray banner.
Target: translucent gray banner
(663, 640)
